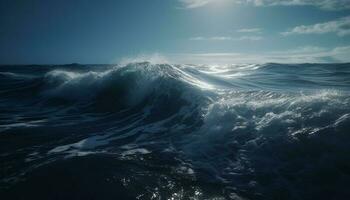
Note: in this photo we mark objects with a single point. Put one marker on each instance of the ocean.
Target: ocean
(174, 131)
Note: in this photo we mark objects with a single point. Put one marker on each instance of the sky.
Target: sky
(179, 31)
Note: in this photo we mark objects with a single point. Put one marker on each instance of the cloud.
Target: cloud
(227, 38)
(306, 54)
(249, 30)
(197, 38)
(322, 4)
(216, 38)
(340, 26)
(251, 38)
(195, 3)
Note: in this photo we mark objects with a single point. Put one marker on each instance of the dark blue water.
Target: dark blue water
(161, 131)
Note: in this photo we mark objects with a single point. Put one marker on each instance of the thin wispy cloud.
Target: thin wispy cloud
(251, 38)
(197, 38)
(322, 4)
(216, 38)
(341, 27)
(227, 38)
(306, 54)
(249, 30)
(195, 3)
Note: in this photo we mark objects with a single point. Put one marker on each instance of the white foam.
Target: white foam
(88, 143)
(135, 151)
(155, 58)
(341, 120)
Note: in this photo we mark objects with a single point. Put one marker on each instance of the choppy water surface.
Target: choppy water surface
(161, 131)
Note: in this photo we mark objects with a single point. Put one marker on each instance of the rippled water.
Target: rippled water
(161, 131)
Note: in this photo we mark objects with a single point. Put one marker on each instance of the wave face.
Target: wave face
(161, 131)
